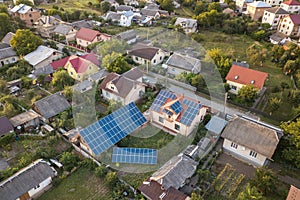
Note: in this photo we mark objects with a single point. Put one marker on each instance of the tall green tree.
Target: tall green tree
(265, 180)
(118, 65)
(250, 193)
(200, 7)
(61, 79)
(257, 55)
(167, 5)
(114, 45)
(25, 41)
(5, 24)
(111, 179)
(247, 94)
(214, 6)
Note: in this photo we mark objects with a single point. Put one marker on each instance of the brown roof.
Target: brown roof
(154, 191)
(246, 76)
(87, 34)
(108, 78)
(294, 193)
(146, 53)
(252, 135)
(133, 74)
(292, 2)
(24, 118)
(5, 126)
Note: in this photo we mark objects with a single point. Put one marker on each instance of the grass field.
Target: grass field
(184, 11)
(82, 184)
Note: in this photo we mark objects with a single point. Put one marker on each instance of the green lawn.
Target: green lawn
(82, 184)
(135, 180)
(184, 11)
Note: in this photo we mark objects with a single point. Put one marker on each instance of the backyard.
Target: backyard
(90, 187)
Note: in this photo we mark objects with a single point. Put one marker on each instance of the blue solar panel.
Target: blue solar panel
(177, 107)
(168, 112)
(134, 155)
(190, 113)
(161, 99)
(109, 130)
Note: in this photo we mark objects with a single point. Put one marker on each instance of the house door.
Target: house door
(25, 196)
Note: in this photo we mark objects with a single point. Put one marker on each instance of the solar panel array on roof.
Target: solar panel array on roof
(109, 130)
(188, 108)
(134, 155)
(177, 107)
(190, 113)
(161, 99)
(168, 112)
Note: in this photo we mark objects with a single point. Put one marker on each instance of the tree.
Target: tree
(118, 65)
(5, 24)
(290, 67)
(26, 2)
(200, 7)
(109, 59)
(291, 149)
(256, 54)
(196, 196)
(68, 92)
(114, 45)
(25, 41)
(264, 180)
(222, 62)
(198, 82)
(111, 179)
(104, 7)
(247, 94)
(275, 103)
(250, 193)
(61, 79)
(101, 171)
(167, 5)
(214, 6)
(277, 52)
(259, 35)
(3, 87)
(3, 9)
(69, 160)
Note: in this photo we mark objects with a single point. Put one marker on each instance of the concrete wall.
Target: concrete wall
(9, 60)
(42, 185)
(242, 153)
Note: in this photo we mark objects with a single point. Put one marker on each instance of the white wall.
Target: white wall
(272, 19)
(134, 94)
(125, 21)
(42, 185)
(243, 153)
(290, 8)
(108, 95)
(274, 2)
(9, 60)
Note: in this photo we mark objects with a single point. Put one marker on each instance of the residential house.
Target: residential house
(124, 88)
(82, 24)
(46, 25)
(128, 36)
(273, 2)
(175, 172)
(250, 140)
(279, 38)
(178, 63)
(241, 5)
(238, 77)
(131, 3)
(152, 190)
(176, 113)
(51, 106)
(85, 37)
(66, 31)
(78, 67)
(292, 6)
(26, 120)
(7, 54)
(96, 77)
(7, 38)
(290, 25)
(229, 12)
(45, 70)
(147, 55)
(5, 126)
(294, 193)
(113, 3)
(26, 13)
(256, 9)
(29, 182)
(273, 16)
(124, 8)
(83, 86)
(121, 18)
(42, 56)
(150, 13)
(187, 24)
(216, 125)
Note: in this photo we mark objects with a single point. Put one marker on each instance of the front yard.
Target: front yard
(82, 184)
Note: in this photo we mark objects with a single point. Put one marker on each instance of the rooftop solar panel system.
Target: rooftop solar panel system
(109, 130)
(134, 156)
(177, 107)
(190, 113)
(161, 99)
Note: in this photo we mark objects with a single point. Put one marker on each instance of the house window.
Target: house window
(136, 58)
(90, 67)
(234, 145)
(78, 76)
(154, 61)
(161, 120)
(30, 15)
(107, 94)
(160, 58)
(36, 187)
(253, 154)
(177, 127)
(233, 87)
(13, 59)
(112, 87)
(71, 73)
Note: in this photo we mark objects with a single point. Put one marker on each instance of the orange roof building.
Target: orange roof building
(238, 77)
(294, 193)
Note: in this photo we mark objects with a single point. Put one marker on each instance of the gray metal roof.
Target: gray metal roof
(83, 86)
(26, 179)
(39, 55)
(7, 38)
(45, 70)
(52, 105)
(184, 62)
(63, 29)
(113, 16)
(189, 23)
(98, 75)
(127, 35)
(174, 172)
(6, 51)
(216, 124)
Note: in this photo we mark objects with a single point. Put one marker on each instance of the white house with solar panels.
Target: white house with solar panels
(176, 113)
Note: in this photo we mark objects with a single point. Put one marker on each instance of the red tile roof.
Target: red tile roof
(91, 57)
(292, 2)
(294, 193)
(87, 34)
(154, 191)
(79, 64)
(246, 76)
(295, 19)
(59, 63)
